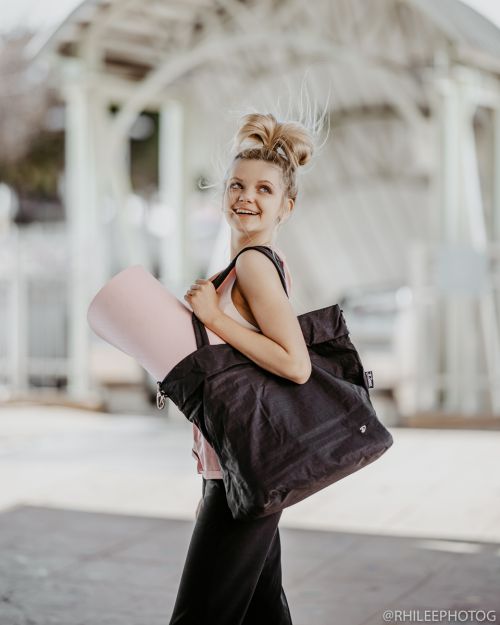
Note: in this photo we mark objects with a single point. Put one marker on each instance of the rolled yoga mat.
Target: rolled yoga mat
(137, 314)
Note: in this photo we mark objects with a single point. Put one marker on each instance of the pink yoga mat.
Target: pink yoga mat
(137, 314)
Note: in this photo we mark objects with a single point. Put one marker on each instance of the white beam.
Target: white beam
(213, 49)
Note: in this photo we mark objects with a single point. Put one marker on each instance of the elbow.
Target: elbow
(302, 374)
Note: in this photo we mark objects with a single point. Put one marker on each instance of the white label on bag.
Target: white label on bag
(369, 378)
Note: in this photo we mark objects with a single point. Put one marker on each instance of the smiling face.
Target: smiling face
(254, 186)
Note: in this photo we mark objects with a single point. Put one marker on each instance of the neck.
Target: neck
(238, 242)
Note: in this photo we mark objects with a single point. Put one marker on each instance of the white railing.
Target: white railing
(33, 308)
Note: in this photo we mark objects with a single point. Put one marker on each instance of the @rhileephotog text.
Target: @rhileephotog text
(440, 616)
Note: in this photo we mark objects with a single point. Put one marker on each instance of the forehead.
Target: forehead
(256, 170)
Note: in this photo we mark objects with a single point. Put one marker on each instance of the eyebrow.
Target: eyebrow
(236, 178)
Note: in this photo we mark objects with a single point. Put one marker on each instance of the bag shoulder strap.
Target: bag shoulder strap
(267, 251)
(200, 331)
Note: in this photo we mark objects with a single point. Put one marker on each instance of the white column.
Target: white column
(450, 189)
(496, 201)
(81, 209)
(485, 296)
(19, 327)
(464, 225)
(173, 253)
(496, 176)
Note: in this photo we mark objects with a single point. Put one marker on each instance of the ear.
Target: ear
(289, 207)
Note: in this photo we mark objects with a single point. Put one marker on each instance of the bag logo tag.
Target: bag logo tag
(160, 397)
(369, 378)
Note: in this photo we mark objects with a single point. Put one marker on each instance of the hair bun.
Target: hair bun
(291, 140)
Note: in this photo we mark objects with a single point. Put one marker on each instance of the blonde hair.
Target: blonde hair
(289, 145)
(288, 139)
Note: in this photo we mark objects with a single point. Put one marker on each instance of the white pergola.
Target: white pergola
(397, 191)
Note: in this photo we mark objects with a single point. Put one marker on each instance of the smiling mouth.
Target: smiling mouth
(242, 211)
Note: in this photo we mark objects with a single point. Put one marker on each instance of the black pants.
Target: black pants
(232, 573)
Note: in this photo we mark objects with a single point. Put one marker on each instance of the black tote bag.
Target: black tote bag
(279, 442)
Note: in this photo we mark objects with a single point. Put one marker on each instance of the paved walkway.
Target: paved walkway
(96, 512)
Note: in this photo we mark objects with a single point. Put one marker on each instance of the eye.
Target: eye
(264, 186)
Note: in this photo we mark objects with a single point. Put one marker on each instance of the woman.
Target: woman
(232, 573)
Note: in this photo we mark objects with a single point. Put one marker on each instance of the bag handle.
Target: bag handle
(200, 332)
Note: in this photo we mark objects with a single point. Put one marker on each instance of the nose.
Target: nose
(245, 198)
(245, 194)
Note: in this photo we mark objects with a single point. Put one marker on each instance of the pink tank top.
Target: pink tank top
(207, 462)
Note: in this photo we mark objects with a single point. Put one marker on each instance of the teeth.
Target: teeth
(243, 212)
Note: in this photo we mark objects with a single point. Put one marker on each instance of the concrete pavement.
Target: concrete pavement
(97, 512)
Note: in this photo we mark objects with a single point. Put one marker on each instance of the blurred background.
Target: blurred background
(114, 116)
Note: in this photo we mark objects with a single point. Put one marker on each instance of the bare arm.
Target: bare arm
(280, 348)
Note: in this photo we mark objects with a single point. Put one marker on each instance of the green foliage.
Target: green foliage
(37, 173)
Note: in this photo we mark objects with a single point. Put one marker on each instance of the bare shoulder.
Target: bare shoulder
(262, 288)
(263, 291)
(255, 269)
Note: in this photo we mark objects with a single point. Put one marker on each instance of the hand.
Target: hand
(204, 300)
